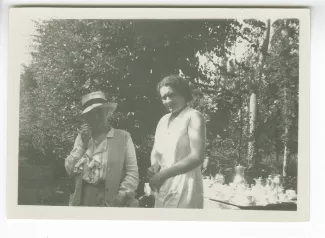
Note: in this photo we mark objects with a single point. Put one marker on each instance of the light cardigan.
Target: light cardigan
(119, 169)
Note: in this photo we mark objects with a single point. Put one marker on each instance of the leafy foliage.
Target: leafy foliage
(127, 58)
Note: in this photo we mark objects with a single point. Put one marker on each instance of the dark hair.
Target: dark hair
(177, 83)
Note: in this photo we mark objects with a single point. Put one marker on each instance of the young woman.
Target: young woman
(179, 149)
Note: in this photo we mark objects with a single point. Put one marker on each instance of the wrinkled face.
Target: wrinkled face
(171, 99)
(97, 118)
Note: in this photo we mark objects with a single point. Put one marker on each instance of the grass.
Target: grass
(38, 186)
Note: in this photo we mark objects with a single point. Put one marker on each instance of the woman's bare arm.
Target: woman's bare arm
(197, 136)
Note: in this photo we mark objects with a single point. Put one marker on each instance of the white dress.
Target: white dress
(172, 142)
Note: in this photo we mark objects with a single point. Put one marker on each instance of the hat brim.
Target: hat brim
(110, 107)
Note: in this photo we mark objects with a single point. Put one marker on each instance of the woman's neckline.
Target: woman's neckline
(102, 136)
(175, 114)
(172, 116)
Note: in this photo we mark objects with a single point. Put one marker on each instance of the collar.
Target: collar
(102, 146)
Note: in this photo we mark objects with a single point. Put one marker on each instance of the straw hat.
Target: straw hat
(94, 100)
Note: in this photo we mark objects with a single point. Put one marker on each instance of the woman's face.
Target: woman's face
(171, 99)
(97, 118)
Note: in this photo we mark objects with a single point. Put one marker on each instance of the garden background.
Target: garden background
(244, 75)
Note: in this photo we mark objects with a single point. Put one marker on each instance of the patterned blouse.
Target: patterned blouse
(92, 163)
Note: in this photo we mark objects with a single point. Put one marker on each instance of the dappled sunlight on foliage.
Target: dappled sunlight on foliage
(127, 58)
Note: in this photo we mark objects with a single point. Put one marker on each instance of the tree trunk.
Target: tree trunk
(252, 129)
(240, 114)
(287, 120)
(286, 133)
(252, 157)
(285, 154)
(240, 134)
(278, 142)
(278, 145)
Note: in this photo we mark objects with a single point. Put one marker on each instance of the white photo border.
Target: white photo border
(19, 16)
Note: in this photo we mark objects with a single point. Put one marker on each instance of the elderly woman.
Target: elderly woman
(103, 159)
(178, 150)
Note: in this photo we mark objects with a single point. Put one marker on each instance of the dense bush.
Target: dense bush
(126, 59)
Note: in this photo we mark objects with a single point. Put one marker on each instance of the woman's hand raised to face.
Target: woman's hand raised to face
(85, 133)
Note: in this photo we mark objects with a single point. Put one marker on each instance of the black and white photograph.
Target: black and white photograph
(143, 112)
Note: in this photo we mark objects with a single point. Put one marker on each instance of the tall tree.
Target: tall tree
(238, 83)
(286, 51)
(252, 144)
(125, 59)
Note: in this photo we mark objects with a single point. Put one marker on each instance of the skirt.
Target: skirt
(181, 191)
(93, 195)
